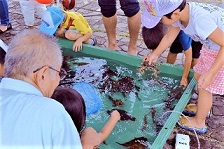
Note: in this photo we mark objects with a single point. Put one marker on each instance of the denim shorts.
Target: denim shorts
(129, 7)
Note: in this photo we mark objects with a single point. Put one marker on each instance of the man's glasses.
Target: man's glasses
(62, 73)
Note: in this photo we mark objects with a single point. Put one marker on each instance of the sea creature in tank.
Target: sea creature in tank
(174, 94)
(125, 116)
(137, 143)
(113, 82)
(145, 123)
(153, 67)
(70, 73)
(155, 120)
(80, 63)
(116, 102)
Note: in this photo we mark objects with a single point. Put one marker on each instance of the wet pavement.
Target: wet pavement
(213, 139)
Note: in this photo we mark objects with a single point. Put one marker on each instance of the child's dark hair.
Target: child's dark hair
(181, 7)
(74, 104)
(153, 36)
(2, 56)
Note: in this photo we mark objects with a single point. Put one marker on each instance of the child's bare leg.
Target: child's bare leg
(171, 58)
(110, 26)
(134, 24)
(203, 107)
(88, 41)
(194, 62)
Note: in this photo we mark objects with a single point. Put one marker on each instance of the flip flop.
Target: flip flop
(182, 124)
(93, 41)
(8, 28)
(92, 101)
(189, 111)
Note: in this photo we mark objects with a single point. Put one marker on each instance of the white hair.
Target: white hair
(30, 50)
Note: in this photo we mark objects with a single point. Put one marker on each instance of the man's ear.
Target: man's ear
(41, 75)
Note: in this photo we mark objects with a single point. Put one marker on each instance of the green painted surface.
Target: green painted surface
(134, 61)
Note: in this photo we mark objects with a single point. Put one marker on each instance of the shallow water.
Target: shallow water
(145, 94)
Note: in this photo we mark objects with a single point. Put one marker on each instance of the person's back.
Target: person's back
(29, 118)
(32, 120)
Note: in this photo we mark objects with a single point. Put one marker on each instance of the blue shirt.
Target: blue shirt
(31, 121)
(184, 40)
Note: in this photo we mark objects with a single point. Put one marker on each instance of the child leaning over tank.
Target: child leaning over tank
(191, 49)
(67, 24)
(74, 104)
(202, 22)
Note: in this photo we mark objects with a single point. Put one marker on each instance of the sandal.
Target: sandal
(8, 28)
(191, 111)
(93, 41)
(182, 123)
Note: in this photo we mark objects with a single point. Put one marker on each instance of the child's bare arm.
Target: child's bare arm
(107, 129)
(216, 36)
(83, 39)
(187, 67)
(165, 43)
(89, 138)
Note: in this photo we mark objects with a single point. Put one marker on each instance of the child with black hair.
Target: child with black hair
(204, 23)
(74, 104)
(153, 36)
(3, 50)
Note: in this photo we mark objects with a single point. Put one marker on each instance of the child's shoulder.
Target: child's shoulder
(183, 36)
(204, 7)
(73, 13)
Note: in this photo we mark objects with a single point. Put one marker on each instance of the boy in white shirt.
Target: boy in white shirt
(204, 23)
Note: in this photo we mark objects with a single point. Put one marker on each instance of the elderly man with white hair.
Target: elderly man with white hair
(30, 119)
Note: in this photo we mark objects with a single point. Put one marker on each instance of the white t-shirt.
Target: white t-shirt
(203, 20)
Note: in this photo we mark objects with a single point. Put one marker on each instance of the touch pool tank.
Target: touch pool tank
(147, 100)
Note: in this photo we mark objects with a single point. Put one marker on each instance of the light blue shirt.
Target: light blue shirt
(28, 120)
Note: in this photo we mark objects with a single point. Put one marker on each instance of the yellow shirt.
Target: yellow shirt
(76, 21)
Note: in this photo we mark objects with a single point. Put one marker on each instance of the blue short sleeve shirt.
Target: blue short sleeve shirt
(184, 40)
(31, 121)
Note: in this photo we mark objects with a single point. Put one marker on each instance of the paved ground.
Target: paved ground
(213, 139)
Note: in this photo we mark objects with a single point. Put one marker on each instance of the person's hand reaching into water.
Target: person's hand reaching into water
(150, 58)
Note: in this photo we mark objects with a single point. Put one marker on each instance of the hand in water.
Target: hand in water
(152, 58)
